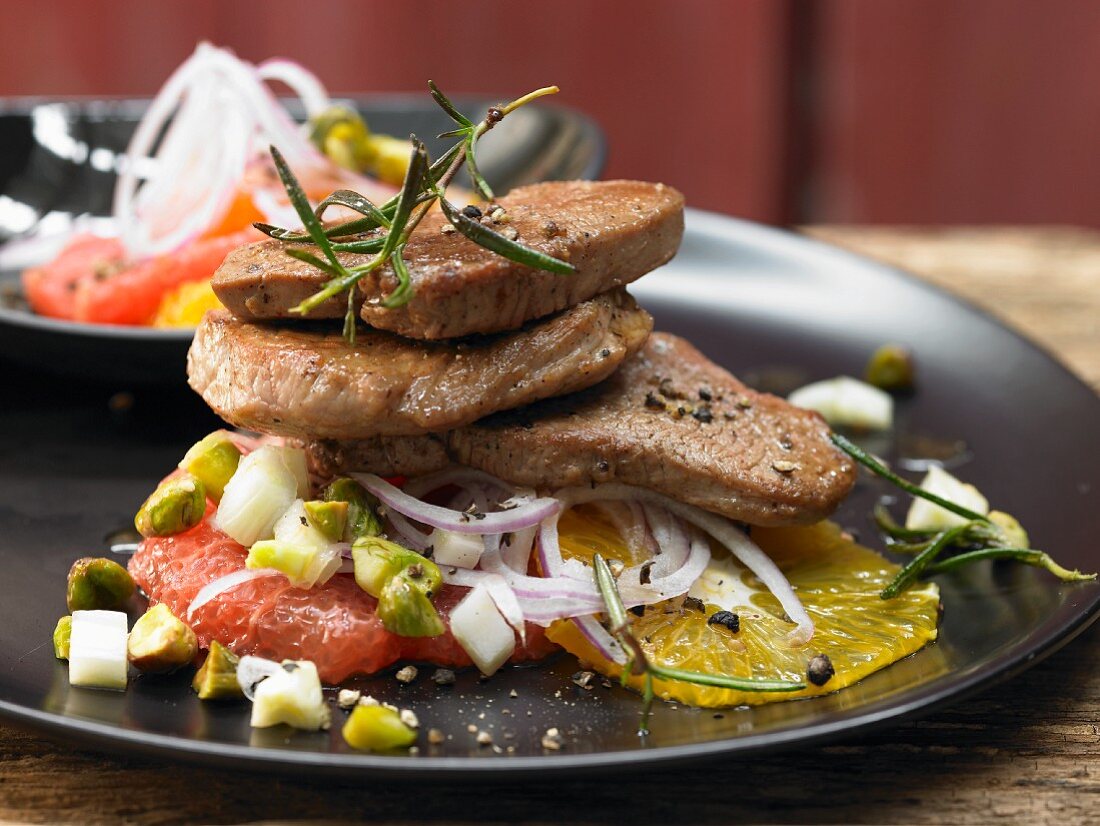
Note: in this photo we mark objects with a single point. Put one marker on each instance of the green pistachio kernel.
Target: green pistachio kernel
(213, 461)
(61, 635)
(159, 642)
(330, 518)
(98, 585)
(362, 518)
(890, 368)
(406, 611)
(377, 728)
(176, 506)
(217, 678)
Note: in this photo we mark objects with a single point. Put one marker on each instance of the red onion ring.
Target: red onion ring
(718, 527)
(526, 515)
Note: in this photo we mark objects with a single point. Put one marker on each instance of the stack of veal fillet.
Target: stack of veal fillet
(540, 379)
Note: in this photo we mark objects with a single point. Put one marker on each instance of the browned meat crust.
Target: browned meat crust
(612, 232)
(669, 420)
(302, 382)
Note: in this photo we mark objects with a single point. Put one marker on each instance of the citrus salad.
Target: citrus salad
(195, 177)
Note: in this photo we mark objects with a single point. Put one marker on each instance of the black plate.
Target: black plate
(76, 460)
(54, 164)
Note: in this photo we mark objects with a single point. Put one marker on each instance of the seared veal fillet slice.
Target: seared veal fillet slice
(292, 381)
(668, 420)
(612, 232)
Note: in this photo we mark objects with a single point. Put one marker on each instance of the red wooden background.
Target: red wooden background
(910, 111)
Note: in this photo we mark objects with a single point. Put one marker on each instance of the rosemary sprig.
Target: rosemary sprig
(985, 538)
(876, 467)
(640, 665)
(425, 183)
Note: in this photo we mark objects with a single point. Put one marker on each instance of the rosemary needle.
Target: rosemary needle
(424, 184)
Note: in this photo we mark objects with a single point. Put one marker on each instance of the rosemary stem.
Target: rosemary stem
(733, 683)
(888, 525)
(530, 96)
(922, 560)
(1029, 556)
(876, 467)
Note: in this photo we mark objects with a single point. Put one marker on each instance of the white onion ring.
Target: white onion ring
(224, 583)
(300, 80)
(219, 115)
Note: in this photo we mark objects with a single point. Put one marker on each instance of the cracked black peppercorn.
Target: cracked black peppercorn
(820, 670)
(694, 604)
(703, 414)
(471, 211)
(727, 619)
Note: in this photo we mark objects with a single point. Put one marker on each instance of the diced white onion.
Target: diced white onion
(287, 693)
(926, 516)
(482, 631)
(462, 550)
(266, 482)
(305, 555)
(845, 401)
(97, 649)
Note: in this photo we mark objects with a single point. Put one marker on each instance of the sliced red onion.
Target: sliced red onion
(458, 475)
(562, 601)
(608, 646)
(676, 582)
(524, 516)
(628, 521)
(274, 209)
(413, 538)
(222, 584)
(718, 527)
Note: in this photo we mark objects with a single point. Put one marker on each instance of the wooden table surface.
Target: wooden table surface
(1025, 751)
